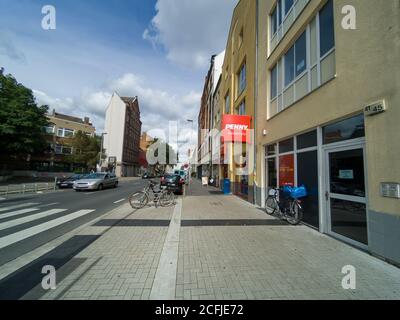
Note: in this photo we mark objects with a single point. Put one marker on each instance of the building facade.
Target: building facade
(206, 118)
(328, 115)
(122, 135)
(58, 135)
(238, 94)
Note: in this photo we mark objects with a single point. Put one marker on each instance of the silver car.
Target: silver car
(96, 181)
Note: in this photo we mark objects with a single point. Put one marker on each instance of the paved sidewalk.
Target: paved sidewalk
(212, 246)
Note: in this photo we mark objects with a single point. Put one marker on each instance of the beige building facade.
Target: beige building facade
(328, 113)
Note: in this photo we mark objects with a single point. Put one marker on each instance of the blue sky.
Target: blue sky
(156, 49)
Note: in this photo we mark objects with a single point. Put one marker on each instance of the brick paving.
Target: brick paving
(268, 261)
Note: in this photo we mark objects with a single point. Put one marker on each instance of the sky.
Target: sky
(158, 50)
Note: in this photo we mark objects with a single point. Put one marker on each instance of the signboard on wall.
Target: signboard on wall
(375, 108)
(235, 128)
(286, 170)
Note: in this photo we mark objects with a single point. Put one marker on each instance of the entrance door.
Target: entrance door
(346, 194)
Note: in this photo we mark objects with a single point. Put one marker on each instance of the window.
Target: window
(58, 149)
(301, 54)
(241, 110)
(242, 79)
(289, 66)
(326, 23)
(274, 21)
(307, 140)
(227, 104)
(274, 82)
(271, 150)
(66, 150)
(344, 130)
(49, 129)
(288, 6)
(65, 133)
(286, 146)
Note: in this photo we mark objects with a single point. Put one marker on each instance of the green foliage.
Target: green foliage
(21, 120)
(86, 149)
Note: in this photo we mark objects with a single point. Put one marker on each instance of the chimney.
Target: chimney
(54, 112)
(86, 120)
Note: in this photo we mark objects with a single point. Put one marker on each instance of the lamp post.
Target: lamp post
(101, 148)
(191, 155)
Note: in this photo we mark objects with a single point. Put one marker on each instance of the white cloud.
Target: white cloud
(157, 107)
(191, 30)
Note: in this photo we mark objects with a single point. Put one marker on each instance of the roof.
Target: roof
(68, 118)
(128, 99)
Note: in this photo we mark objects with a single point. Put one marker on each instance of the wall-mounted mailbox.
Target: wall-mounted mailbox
(390, 190)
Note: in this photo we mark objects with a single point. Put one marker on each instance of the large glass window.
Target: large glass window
(344, 130)
(272, 173)
(301, 54)
(326, 25)
(286, 146)
(289, 66)
(271, 150)
(288, 6)
(307, 140)
(274, 82)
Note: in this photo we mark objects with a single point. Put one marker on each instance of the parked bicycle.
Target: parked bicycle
(161, 197)
(288, 208)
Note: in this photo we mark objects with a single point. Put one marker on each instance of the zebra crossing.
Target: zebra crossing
(23, 221)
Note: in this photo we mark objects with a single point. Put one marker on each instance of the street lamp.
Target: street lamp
(190, 156)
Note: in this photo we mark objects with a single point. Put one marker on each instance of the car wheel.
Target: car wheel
(100, 187)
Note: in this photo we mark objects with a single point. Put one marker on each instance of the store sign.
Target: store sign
(346, 174)
(235, 128)
(375, 108)
(390, 190)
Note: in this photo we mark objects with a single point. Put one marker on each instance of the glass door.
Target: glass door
(346, 194)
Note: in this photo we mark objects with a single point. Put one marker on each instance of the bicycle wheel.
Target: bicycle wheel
(138, 200)
(167, 199)
(296, 213)
(271, 205)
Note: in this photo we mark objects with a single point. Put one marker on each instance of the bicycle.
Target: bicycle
(162, 197)
(290, 209)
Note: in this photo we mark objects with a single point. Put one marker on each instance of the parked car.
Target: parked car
(182, 174)
(173, 182)
(96, 181)
(69, 182)
(148, 175)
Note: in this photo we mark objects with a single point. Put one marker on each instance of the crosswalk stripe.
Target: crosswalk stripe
(27, 233)
(17, 213)
(17, 206)
(30, 218)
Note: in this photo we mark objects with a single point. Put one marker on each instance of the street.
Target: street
(27, 222)
(207, 246)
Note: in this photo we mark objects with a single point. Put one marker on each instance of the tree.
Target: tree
(22, 122)
(85, 149)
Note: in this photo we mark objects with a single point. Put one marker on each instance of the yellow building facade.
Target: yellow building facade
(328, 114)
(237, 89)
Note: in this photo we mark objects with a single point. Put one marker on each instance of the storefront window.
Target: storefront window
(286, 170)
(286, 146)
(271, 150)
(344, 130)
(307, 140)
(272, 173)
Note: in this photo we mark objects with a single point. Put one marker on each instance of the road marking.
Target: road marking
(165, 278)
(17, 206)
(2, 199)
(48, 205)
(89, 193)
(30, 218)
(27, 233)
(119, 201)
(17, 213)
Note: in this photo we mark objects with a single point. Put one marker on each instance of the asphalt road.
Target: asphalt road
(28, 222)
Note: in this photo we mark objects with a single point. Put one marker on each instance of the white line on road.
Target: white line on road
(17, 213)
(165, 279)
(27, 233)
(16, 222)
(2, 199)
(119, 201)
(89, 193)
(17, 206)
(48, 205)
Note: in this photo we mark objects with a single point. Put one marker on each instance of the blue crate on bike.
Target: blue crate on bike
(295, 192)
